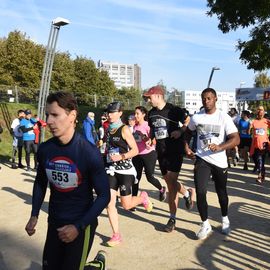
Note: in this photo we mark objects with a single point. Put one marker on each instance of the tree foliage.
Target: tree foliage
(21, 64)
(234, 14)
(262, 81)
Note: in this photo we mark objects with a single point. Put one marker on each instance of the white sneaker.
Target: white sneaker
(226, 228)
(225, 225)
(204, 231)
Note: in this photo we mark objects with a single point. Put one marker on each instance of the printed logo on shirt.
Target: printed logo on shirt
(160, 129)
(63, 174)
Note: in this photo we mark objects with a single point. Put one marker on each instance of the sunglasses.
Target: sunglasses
(103, 118)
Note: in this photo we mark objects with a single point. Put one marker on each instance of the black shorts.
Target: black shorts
(123, 182)
(170, 162)
(245, 142)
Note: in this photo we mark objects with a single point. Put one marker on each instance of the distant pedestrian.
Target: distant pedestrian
(213, 127)
(131, 122)
(89, 130)
(102, 135)
(245, 137)
(1, 131)
(73, 168)
(27, 127)
(17, 143)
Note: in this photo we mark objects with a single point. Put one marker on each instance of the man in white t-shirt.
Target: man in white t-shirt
(17, 143)
(216, 133)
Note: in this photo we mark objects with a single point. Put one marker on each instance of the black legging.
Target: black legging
(148, 162)
(202, 172)
(259, 160)
(67, 256)
(29, 147)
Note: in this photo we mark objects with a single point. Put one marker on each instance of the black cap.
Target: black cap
(27, 111)
(114, 107)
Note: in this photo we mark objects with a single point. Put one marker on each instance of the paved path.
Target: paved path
(145, 245)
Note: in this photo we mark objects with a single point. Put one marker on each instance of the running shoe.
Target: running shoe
(13, 166)
(115, 240)
(98, 263)
(204, 231)
(28, 169)
(190, 199)
(245, 167)
(147, 204)
(162, 194)
(225, 229)
(20, 166)
(170, 226)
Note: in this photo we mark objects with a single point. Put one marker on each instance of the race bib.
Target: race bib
(206, 140)
(112, 151)
(259, 131)
(63, 174)
(161, 133)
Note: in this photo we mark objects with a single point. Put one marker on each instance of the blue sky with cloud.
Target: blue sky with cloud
(172, 40)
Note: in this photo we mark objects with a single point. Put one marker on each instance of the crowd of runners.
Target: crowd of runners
(92, 171)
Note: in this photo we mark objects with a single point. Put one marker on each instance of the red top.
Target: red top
(259, 134)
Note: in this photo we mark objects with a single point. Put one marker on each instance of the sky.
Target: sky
(171, 40)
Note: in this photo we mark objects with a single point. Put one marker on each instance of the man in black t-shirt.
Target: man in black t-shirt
(168, 123)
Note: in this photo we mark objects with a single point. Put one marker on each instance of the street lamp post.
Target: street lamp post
(48, 65)
(211, 75)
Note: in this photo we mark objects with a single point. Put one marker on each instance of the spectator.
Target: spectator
(89, 130)
(17, 143)
(27, 127)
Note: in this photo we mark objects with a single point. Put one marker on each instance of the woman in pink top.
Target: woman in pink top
(260, 142)
(147, 156)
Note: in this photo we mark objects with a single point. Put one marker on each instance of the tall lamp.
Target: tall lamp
(48, 65)
(211, 75)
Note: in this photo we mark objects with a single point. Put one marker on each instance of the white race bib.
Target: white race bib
(63, 174)
(161, 133)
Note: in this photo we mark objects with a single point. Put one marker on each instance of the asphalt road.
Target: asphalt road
(145, 245)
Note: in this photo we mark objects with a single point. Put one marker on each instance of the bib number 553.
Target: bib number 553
(59, 176)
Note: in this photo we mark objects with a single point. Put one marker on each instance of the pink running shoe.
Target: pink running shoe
(147, 204)
(115, 240)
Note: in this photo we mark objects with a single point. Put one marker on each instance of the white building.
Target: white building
(123, 75)
(192, 101)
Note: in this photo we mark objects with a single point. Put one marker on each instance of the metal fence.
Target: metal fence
(16, 94)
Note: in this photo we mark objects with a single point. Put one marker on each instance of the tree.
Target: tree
(131, 97)
(262, 81)
(233, 14)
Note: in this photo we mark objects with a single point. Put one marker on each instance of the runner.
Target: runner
(147, 156)
(245, 137)
(121, 147)
(168, 123)
(212, 126)
(73, 167)
(260, 142)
